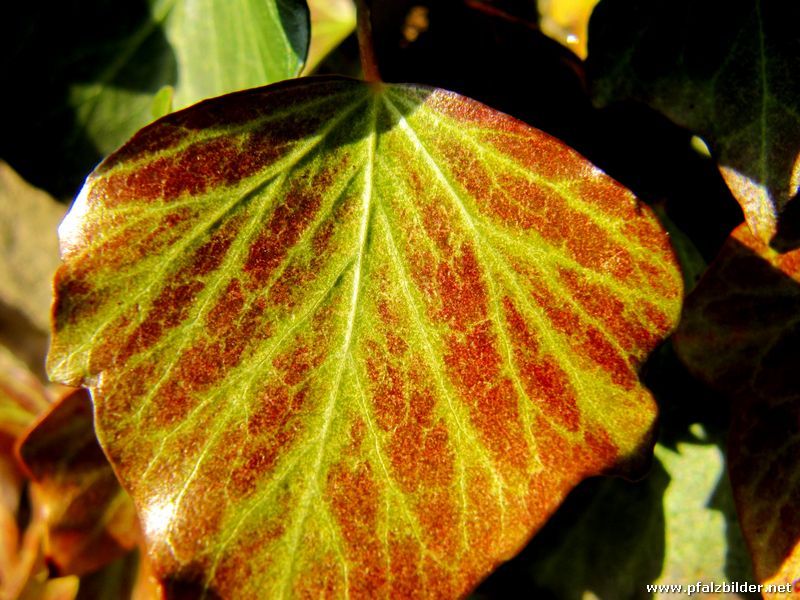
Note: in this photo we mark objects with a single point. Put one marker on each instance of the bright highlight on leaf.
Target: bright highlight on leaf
(348, 337)
(741, 333)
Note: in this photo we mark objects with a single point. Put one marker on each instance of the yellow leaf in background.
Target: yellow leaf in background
(567, 22)
(331, 22)
(29, 245)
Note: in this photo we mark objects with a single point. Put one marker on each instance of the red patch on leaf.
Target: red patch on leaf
(389, 391)
(271, 429)
(209, 256)
(607, 357)
(600, 304)
(167, 311)
(461, 290)
(421, 457)
(354, 498)
(545, 382)
(287, 222)
(405, 558)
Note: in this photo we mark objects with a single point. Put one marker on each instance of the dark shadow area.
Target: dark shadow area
(297, 24)
(682, 399)
(116, 580)
(342, 60)
(789, 225)
(607, 537)
(741, 332)
(51, 49)
(503, 61)
(738, 87)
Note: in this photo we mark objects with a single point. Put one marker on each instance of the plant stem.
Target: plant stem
(493, 11)
(367, 51)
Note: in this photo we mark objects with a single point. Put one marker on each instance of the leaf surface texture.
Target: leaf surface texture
(353, 338)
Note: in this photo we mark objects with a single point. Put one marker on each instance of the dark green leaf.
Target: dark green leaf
(728, 71)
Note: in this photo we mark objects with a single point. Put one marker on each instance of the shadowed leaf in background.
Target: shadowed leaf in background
(741, 334)
(726, 70)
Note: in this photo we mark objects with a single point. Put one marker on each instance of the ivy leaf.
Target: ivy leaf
(741, 333)
(255, 42)
(726, 70)
(350, 336)
(331, 22)
(89, 519)
(567, 22)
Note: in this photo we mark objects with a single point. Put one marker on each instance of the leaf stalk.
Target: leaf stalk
(369, 65)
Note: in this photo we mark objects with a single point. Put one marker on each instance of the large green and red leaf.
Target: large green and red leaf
(741, 334)
(356, 338)
(89, 520)
(726, 70)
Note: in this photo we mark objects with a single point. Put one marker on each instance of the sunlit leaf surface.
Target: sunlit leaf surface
(205, 48)
(567, 21)
(726, 70)
(89, 519)
(331, 22)
(356, 338)
(741, 333)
